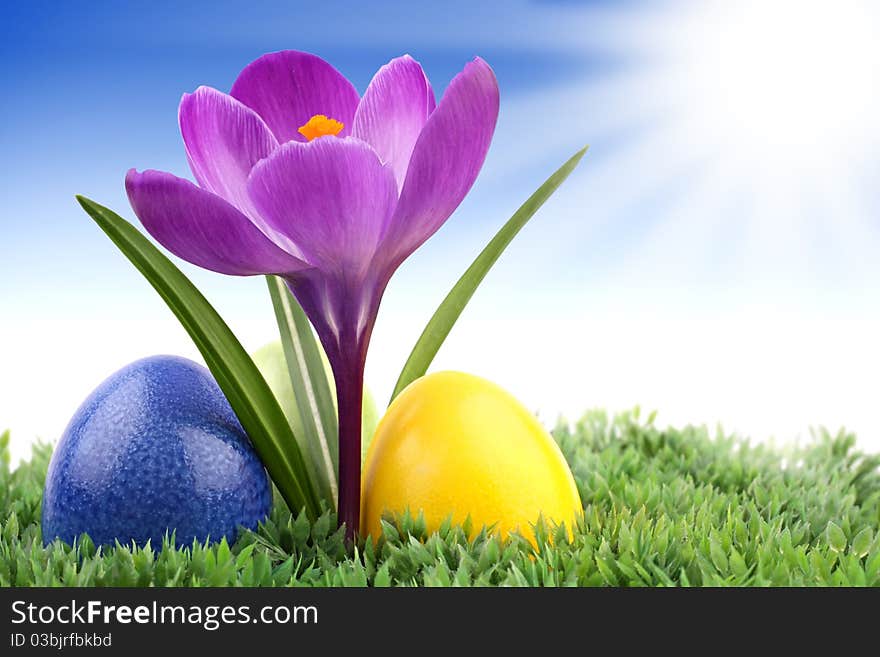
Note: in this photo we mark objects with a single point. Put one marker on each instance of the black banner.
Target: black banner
(113, 621)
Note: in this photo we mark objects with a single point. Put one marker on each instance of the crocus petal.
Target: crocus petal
(393, 111)
(202, 228)
(224, 139)
(332, 197)
(446, 159)
(288, 88)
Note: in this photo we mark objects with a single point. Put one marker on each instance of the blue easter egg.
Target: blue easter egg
(155, 448)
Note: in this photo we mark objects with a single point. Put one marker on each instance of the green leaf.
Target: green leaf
(383, 576)
(4, 450)
(738, 564)
(450, 309)
(719, 558)
(244, 556)
(238, 377)
(311, 388)
(836, 537)
(861, 543)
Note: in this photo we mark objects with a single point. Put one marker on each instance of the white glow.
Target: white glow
(756, 118)
(745, 189)
(760, 371)
(786, 80)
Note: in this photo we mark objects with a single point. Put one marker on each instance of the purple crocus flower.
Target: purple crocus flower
(301, 177)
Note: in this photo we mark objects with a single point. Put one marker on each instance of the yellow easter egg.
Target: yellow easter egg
(454, 444)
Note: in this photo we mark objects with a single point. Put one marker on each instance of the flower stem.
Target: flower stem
(343, 314)
(349, 396)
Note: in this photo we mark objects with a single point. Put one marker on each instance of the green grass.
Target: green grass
(662, 507)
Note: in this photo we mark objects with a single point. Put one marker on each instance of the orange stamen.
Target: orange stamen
(320, 126)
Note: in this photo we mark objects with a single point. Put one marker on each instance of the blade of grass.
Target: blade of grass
(312, 389)
(4, 451)
(238, 377)
(450, 309)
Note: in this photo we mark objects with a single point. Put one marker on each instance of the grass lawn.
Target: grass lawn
(662, 507)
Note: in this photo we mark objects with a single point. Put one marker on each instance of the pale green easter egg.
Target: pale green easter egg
(270, 360)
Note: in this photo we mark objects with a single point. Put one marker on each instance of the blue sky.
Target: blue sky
(715, 256)
(94, 87)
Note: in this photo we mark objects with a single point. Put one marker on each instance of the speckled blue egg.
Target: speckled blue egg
(155, 449)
